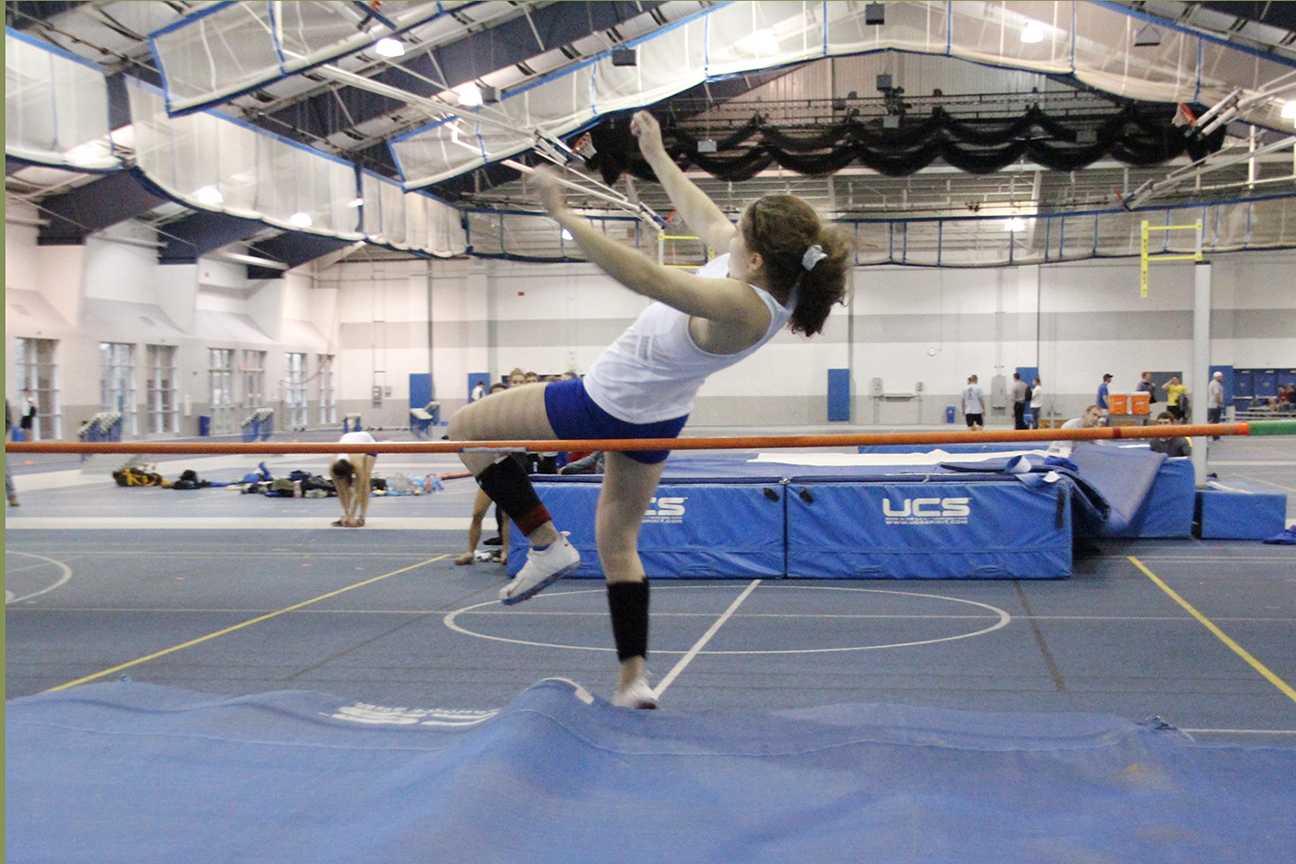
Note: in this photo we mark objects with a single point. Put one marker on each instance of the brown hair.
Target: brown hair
(342, 469)
(781, 228)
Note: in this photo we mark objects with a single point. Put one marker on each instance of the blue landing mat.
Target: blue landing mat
(130, 772)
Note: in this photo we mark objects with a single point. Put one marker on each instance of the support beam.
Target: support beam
(495, 48)
(1200, 375)
(203, 232)
(293, 249)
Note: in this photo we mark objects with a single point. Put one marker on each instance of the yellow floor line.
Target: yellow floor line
(248, 623)
(1237, 649)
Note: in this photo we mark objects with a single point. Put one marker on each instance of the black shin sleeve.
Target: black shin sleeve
(510, 487)
(628, 602)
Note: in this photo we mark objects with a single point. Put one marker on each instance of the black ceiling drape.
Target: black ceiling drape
(1135, 135)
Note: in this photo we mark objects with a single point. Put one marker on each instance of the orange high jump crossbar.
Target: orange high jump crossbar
(747, 442)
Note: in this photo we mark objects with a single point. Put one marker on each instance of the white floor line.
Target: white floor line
(1239, 731)
(602, 613)
(239, 523)
(1268, 482)
(706, 637)
(1260, 463)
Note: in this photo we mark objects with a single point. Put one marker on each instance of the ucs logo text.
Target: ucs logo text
(948, 508)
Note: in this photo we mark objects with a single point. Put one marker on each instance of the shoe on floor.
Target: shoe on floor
(491, 541)
(636, 695)
(541, 570)
(13, 502)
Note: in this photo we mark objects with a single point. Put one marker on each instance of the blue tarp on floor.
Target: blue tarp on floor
(134, 773)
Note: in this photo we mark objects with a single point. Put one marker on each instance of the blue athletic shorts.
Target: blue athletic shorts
(573, 414)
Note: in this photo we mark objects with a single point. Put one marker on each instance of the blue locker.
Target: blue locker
(1266, 382)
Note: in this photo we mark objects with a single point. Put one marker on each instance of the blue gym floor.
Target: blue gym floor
(225, 593)
(232, 679)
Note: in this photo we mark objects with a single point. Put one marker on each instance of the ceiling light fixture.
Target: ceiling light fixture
(356, 202)
(1289, 109)
(1016, 224)
(1032, 33)
(209, 195)
(90, 153)
(761, 43)
(469, 95)
(300, 220)
(389, 47)
(566, 235)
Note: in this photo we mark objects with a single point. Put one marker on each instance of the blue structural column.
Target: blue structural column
(839, 395)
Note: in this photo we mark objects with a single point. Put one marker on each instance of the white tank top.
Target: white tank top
(360, 437)
(653, 371)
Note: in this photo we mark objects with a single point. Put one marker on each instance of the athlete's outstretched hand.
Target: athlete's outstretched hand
(551, 193)
(645, 127)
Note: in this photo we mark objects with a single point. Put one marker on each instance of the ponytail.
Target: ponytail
(785, 230)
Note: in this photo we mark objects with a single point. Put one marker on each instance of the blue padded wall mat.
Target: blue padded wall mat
(697, 530)
(996, 527)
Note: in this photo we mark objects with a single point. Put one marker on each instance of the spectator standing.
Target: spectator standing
(1215, 400)
(28, 418)
(1036, 402)
(9, 486)
(1176, 398)
(1104, 391)
(1145, 385)
(973, 404)
(1019, 391)
(478, 392)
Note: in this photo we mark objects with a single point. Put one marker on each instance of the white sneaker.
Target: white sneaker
(636, 695)
(541, 570)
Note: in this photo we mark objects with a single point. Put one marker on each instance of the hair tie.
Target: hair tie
(813, 256)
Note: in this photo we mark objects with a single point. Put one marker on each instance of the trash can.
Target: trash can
(204, 425)
(951, 414)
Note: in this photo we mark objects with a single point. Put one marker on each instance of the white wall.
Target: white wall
(107, 290)
(903, 325)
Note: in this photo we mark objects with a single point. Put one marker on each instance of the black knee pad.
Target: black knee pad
(509, 486)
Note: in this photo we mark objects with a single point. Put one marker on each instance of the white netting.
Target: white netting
(535, 235)
(216, 53)
(981, 242)
(56, 108)
(1030, 35)
(1095, 43)
(233, 47)
(210, 162)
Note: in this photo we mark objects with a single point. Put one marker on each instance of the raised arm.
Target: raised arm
(704, 218)
(725, 300)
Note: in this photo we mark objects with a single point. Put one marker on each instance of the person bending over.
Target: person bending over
(783, 268)
(1090, 419)
(351, 473)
